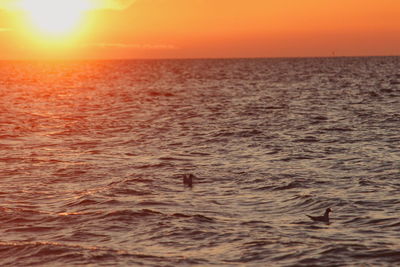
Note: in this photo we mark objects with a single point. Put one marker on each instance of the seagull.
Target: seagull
(324, 218)
(188, 179)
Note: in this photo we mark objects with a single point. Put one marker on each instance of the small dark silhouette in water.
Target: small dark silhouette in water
(324, 218)
(188, 179)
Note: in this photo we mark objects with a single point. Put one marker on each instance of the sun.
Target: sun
(55, 17)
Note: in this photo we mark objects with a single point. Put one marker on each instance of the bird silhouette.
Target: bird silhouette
(324, 218)
(188, 179)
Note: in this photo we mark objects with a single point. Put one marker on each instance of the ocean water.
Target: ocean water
(92, 156)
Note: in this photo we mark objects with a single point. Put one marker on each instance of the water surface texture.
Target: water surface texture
(92, 155)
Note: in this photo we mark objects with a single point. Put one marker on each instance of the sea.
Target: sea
(93, 155)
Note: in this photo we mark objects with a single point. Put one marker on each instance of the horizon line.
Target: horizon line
(195, 58)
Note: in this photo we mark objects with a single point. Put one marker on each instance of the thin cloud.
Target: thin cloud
(111, 4)
(134, 46)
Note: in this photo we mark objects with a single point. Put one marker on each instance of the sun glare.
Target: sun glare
(55, 17)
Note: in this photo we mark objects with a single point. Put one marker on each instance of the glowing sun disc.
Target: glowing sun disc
(55, 17)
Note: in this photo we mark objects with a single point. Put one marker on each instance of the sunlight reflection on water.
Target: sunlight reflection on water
(93, 153)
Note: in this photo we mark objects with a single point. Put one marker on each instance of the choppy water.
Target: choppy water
(92, 156)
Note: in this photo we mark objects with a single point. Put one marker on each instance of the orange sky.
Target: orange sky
(214, 28)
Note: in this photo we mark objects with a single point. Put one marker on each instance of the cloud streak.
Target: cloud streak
(111, 4)
(134, 46)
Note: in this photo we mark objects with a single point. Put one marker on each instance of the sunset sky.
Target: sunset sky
(107, 29)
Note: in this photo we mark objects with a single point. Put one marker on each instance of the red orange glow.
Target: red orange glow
(203, 28)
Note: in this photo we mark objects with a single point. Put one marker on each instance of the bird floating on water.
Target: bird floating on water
(324, 218)
(188, 179)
